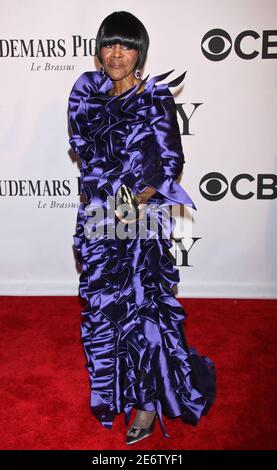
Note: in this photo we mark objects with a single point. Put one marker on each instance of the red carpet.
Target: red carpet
(45, 389)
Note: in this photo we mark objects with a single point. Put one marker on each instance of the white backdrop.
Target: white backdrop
(231, 104)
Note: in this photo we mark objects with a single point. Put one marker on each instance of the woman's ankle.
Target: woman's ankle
(144, 419)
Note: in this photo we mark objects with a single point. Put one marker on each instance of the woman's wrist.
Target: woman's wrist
(146, 194)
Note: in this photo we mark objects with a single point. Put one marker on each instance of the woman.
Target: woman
(125, 130)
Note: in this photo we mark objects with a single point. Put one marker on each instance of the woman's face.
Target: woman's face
(118, 60)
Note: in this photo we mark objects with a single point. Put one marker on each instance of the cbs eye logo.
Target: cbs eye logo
(214, 186)
(217, 44)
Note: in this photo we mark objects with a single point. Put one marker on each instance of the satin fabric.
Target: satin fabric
(136, 351)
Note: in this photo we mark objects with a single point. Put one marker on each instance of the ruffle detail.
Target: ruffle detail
(121, 136)
(132, 324)
(132, 331)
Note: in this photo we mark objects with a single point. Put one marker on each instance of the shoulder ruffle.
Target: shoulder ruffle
(87, 83)
(92, 85)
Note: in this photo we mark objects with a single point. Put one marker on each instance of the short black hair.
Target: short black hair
(124, 28)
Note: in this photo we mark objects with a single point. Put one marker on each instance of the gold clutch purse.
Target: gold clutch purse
(126, 203)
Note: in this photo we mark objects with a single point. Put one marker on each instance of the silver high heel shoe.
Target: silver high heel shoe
(137, 433)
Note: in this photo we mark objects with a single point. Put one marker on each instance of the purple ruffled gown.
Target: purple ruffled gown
(132, 325)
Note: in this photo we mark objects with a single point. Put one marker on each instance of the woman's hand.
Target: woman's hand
(146, 194)
(141, 199)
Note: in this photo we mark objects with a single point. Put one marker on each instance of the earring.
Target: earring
(102, 70)
(138, 73)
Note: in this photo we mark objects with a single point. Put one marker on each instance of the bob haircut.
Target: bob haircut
(124, 28)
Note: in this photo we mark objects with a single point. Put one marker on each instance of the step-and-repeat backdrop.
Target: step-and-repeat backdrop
(227, 113)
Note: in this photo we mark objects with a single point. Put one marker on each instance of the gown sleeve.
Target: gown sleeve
(79, 141)
(169, 152)
(87, 83)
(75, 96)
